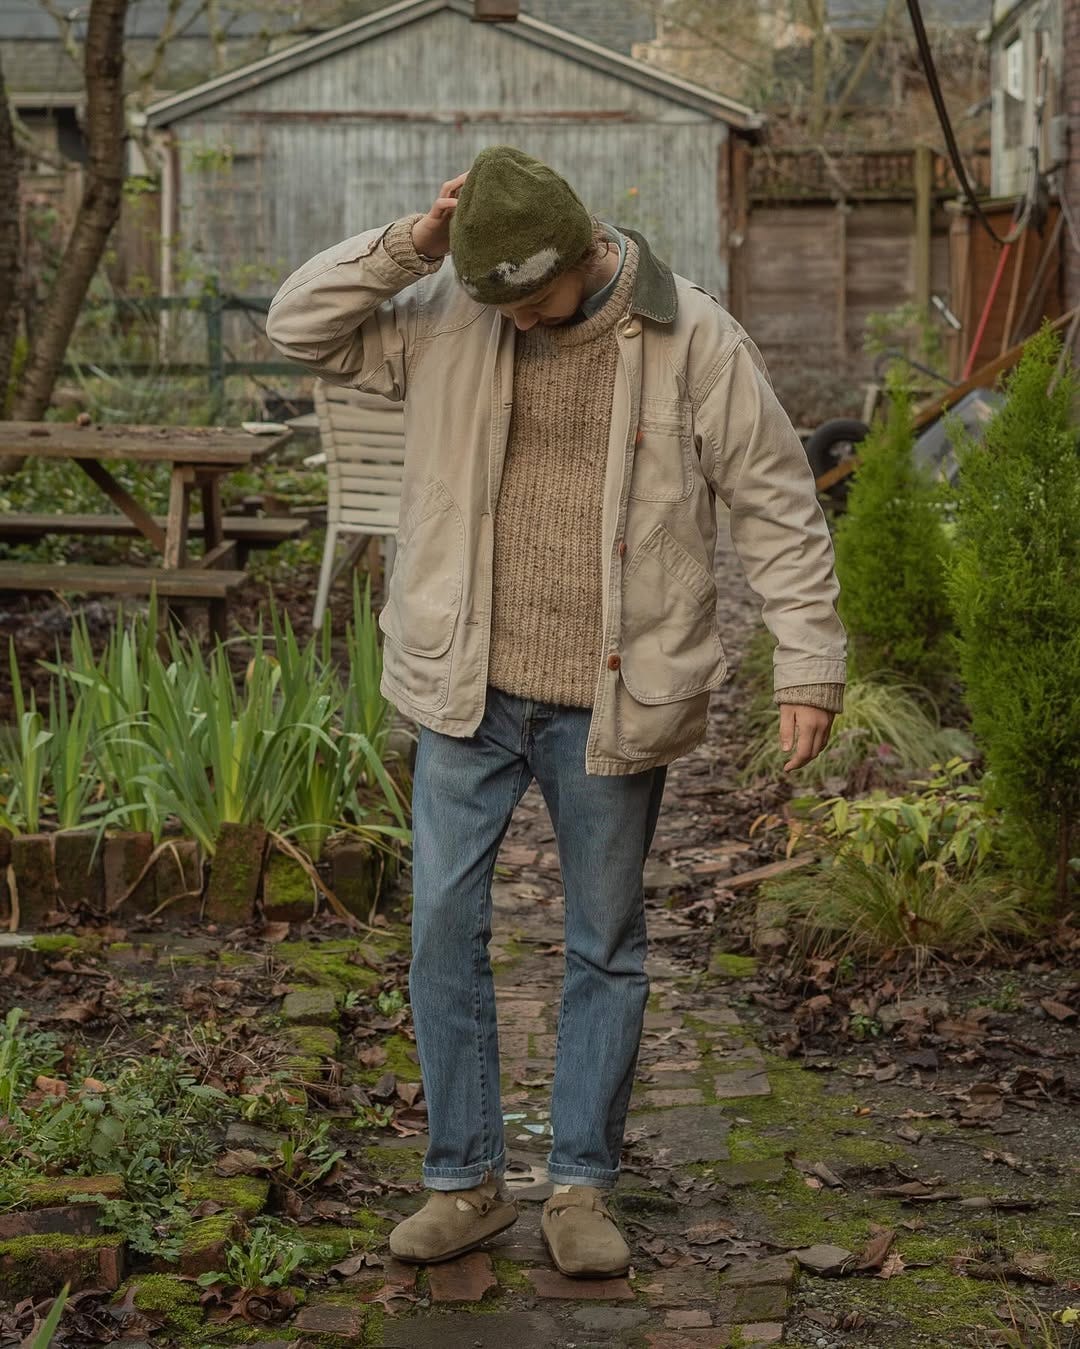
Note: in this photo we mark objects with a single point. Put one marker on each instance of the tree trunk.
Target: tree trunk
(98, 210)
(9, 243)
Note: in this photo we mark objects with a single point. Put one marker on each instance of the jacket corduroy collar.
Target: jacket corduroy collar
(654, 287)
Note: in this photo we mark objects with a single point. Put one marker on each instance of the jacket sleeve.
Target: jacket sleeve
(351, 314)
(758, 468)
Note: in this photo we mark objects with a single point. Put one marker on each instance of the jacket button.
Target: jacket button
(631, 328)
(613, 661)
(622, 547)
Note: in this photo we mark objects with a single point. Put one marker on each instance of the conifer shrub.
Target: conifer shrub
(1014, 586)
(890, 550)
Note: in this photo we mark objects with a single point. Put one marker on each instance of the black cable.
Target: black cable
(930, 71)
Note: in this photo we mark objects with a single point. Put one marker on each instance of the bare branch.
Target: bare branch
(31, 147)
(146, 76)
(66, 24)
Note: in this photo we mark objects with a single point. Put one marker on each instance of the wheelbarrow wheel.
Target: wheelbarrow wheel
(829, 445)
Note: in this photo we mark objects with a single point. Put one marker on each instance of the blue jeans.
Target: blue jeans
(464, 793)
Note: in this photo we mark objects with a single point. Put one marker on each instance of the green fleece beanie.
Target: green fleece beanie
(517, 226)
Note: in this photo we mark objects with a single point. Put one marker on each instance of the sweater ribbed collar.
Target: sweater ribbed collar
(605, 318)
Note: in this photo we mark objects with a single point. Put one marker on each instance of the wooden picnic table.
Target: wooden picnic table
(199, 456)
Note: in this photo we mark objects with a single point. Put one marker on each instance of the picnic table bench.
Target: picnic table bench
(249, 531)
(199, 457)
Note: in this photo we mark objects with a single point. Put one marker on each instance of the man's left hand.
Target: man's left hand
(805, 730)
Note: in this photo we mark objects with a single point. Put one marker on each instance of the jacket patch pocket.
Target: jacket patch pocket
(663, 454)
(671, 654)
(421, 614)
(670, 646)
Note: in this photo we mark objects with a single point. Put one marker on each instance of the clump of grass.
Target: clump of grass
(862, 908)
(884, 735)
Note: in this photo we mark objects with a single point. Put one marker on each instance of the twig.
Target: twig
(184, 894)
(167, 846)
(67, 30)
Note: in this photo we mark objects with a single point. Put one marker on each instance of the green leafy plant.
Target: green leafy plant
(373, 1117)
(309, 1157)
(344, 781)
(943, 828)
(267, 1260)
(149, 1124)
(365, 712)
(891, 547)
(863, 1027)
(115, 689)
(1013, 584)
(23, 758)
(920, 872)
(71, 723)
(389, 1003)
(24, 1054)
(223, 754)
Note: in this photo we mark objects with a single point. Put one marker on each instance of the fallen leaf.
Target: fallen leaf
(892, 1266)
(705, 1234)
(353, 1263)
(79, 1012)
(50, 1086)
(1058, 1010)
(872, 1256)
(206, 1208)
(914, 1191)
(274, 932)
(1009, 1159)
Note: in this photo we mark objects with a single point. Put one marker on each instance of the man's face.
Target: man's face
(550, 307)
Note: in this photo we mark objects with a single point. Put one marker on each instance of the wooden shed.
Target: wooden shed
(274, 161)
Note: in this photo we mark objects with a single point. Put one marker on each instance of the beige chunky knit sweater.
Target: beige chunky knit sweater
(547, 618)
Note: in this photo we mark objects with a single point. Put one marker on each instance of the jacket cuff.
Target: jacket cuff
(398, 243)
(827, 696)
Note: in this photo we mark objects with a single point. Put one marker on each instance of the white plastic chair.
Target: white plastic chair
(363, 436)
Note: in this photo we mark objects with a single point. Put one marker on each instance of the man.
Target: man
(573, 410)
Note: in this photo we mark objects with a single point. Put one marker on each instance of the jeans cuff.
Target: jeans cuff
(464, 1177)
(582, 1175)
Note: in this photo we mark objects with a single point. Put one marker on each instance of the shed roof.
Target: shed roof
(859, 15)
(526, 28)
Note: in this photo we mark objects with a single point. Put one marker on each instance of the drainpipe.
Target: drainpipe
(164, 145)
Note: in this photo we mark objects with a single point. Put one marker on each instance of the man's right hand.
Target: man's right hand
(431, 233)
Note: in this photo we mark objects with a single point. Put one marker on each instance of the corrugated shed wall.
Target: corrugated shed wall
(358, 138)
